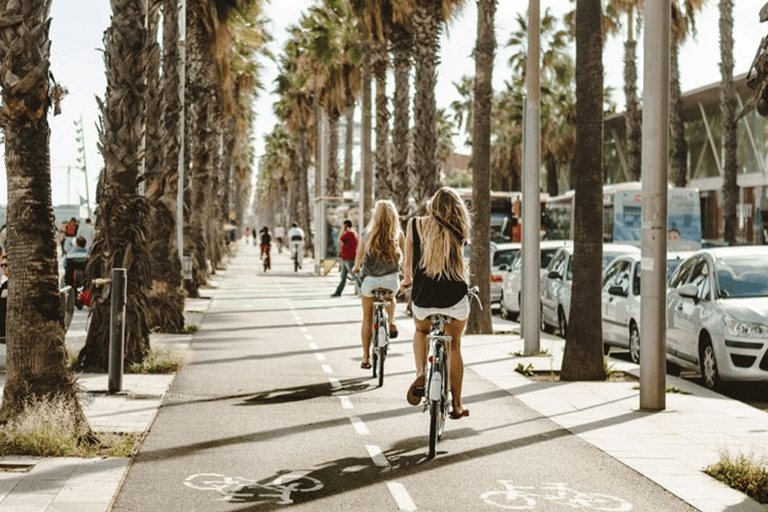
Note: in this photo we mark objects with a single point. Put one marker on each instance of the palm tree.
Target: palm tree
(683, 23)
(122, 213)
(480, 320)
(427, 17)
(583, 357)
(37, 360)
(728, 110)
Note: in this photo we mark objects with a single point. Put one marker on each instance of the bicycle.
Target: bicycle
(295, 252)
(437, 382)
(239, 489)
(518, 497)
(380, 327)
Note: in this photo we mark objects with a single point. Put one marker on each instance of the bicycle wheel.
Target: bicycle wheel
(382, 337)
(436, 417)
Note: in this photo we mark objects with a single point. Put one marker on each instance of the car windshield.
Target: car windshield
(672, 264)
(609, 256)
(743, 276)
(504, 257)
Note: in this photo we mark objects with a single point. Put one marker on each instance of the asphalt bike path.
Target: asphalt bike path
(273, 411)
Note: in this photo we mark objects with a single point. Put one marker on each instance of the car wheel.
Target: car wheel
(634, 344)
(503, 308)
(544, 325)
(708, 365)
(562, 323)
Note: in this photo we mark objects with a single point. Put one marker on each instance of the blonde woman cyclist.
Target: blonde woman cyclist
(379, 253)
(434, 267)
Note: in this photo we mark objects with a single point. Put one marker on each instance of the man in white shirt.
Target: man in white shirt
(296, 241)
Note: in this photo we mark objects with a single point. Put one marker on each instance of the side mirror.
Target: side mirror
(617, 290)
(688, 291)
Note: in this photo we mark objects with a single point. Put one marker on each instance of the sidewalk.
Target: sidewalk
(670, 448)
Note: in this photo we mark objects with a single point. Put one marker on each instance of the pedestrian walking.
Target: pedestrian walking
(348, 243)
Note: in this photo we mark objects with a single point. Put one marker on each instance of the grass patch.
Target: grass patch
(191, 329)
(742, 473)
(159, 362)
(674, 390)
(541, 353)
(525, 370)
(47, 428)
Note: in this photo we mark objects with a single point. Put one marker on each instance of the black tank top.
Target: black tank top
(432, 292)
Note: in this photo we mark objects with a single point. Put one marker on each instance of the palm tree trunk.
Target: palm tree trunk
(728, 109)
(37, 361)
(303, 187)
(332, 180)
(480, 320)
(633, 122)
(122, 215)
(380, 64)
(679, 160)
(583, 357)
(426, 30)
(349, 140)
(401, 172)
(366, 203)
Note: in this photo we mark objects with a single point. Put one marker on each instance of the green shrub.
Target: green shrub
(525, 370)
(742, 473)
(191, 328)
(159, 361)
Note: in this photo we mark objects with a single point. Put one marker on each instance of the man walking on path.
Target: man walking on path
(348, 241)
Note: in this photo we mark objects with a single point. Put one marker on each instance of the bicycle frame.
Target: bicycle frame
(438, 379)
(380, 334)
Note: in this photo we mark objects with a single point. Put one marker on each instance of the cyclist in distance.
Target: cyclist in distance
(296, 239)
(379, 254)
(434, 266)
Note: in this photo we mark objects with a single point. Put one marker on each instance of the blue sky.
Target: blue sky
(76, 60)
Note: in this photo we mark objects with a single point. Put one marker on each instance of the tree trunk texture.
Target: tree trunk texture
(380, 65)
(633, 121)
(365, 137)
(36, 359)
(679, 161)
(332, 180)
(122, 215)
(303, 209)
(583, 357)
(349, 139)
(728, 109)
(480, 319)
(551, 165)
(426, 30)
(401, 171)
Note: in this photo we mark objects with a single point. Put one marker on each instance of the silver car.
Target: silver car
(717, 314)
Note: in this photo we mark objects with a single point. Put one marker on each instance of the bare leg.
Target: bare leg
(365, 329)
(454, 330)
(391, 312)
(420, 344)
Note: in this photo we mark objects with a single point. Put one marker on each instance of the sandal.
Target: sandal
(416, 391)
(393, 332)
(365, 366)
(458, 415)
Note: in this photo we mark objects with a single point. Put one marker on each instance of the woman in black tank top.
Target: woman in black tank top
(434, 266)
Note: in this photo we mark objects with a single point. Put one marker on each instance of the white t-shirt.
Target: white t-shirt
(296, 235)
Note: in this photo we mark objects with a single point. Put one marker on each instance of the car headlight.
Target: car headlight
(736, 327)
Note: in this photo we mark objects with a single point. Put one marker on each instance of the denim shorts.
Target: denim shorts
(389, 281)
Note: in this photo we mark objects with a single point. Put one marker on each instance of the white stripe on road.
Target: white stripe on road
(304, 329)
(403, 499)
(319, 356)
(313, 346)
(346, 403)
(327, 368)
(378, 458)
(335, 384)
(360, 427)
(308, 337)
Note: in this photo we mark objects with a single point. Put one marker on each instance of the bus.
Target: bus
(622, 216)
(503, 216)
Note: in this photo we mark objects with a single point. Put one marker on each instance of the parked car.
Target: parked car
(511, 289)
(501, 263)
(717, 314)
(556, 284)
(621, 301)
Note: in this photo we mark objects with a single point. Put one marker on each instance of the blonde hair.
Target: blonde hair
(443, 234)
(384, 233)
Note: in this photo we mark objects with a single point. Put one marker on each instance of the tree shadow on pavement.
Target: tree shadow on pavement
(310, 391)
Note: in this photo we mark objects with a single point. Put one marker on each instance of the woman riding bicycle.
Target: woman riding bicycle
(434, 265)
(379, 253)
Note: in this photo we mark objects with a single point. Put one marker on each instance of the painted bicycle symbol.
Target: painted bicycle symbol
(238, 489)
(517, 497)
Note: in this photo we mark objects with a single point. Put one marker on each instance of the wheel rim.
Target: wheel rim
(709, 367)
(634, 345)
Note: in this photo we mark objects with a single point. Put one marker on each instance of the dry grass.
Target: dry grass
(159, 362)
(743, 473)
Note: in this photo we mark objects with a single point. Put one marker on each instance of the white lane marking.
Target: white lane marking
(319, 356)
(308, 337)
(346, 403)
(304, 329)
(327, 368)
(378, 458)
(299, 321)
(402, 498)
(313, 346)
(360, 427)
(335, 384)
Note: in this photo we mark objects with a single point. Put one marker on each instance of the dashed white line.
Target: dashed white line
(346, 403)
(319, 356)
(335, 384)
(313, 346)
(378, 458)
(327, 368)
(303, 329)
(402, 498)
(308, 337)
(360, 427)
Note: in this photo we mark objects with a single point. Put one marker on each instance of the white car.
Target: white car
(621, 301)
(502, 258)
(511, 288)
(556, 284)
(717, 314)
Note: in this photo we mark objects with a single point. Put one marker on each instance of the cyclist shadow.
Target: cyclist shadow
(310, 391)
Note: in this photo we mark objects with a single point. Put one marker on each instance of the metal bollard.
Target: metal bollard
(117, 329)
